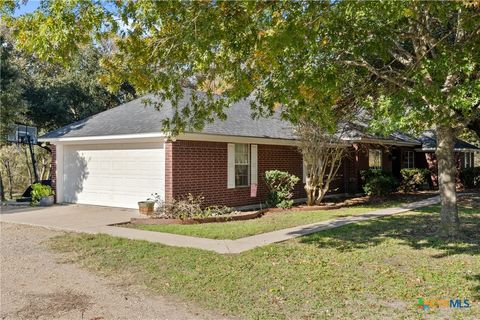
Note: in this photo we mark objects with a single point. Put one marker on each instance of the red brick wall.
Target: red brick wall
(431, 161)
(200, 167)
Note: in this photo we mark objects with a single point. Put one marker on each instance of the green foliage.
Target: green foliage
(280, 188)
(471, 177)
(58, 96)
(413, 179)
(377, 182)
(307, 56)
(12, 104)
(39, 191)
(16, 167)
(49, 95)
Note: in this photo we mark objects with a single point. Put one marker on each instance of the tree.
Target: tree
(323, 153)
(57, 95)
(12, 104)
(424, 58)
(417, 62)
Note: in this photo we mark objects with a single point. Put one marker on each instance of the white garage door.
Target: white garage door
(117, 175)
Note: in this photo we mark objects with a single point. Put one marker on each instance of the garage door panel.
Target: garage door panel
(113, 175)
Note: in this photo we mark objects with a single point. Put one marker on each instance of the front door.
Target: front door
(396, 162)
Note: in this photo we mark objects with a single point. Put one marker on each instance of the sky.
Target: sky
(28, 7)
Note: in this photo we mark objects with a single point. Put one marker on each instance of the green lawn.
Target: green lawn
(276, 221)
(375, 269)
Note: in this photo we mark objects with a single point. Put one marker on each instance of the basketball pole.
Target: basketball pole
(32, 155)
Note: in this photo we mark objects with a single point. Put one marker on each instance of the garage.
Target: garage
(114, 174)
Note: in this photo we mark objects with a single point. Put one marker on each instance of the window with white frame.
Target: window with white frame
(467, 160)
(375, 159)
(409, 159)
(242, 164)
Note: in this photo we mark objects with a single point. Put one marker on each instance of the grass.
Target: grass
(267, 223)
(373, 269)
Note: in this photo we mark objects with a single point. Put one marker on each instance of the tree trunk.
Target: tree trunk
(449, 221)
(10, 178)
(2, 191)
(321, 194)
(310, 191)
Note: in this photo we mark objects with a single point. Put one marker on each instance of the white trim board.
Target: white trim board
(455, 150)
(107, 138)
(208, 137)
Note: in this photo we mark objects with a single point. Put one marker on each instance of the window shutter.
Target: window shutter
(254, 164)
(231, 166)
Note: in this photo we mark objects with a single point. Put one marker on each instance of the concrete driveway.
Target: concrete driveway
(73, 217)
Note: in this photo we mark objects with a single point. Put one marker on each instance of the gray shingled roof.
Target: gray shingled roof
(358, 131)
(135, 117)
(428, 139)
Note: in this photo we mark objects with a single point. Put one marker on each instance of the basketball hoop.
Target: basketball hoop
(23, 134)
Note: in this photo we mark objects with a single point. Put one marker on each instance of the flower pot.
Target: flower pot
(146, 207)
(46, 201)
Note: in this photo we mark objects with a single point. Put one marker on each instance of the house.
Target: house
(120, 156)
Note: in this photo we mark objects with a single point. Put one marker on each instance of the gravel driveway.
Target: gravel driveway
(36, 284)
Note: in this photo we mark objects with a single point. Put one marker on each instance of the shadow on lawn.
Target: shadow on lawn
(416, 230)
(475, 278)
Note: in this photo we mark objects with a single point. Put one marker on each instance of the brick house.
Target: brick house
(120, 156)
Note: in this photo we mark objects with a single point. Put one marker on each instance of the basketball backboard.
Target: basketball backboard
(21, 133)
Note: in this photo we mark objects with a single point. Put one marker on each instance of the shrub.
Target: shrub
(39, 191)
(413, 179)
(187, 207)
(280, 188)
(377, 182)
(471, 177)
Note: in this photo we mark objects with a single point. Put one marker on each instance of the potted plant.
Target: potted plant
(146, 207)
(42, 195)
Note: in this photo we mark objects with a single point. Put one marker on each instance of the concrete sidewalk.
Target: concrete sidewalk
(248, 243)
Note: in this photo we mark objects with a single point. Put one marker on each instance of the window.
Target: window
(242, 162)
(375, 159)
(409, 159)
(468, 163)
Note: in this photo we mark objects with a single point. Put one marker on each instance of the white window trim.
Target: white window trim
(381, 159)
(248, 165)
(407, 159)
(467, 155)
(231, 166)
(252, 165)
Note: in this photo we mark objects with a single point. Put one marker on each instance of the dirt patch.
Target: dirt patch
(53, 305)
(36, 283)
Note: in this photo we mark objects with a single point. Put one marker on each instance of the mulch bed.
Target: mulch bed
(228, 217)
(355, 201)
(334, 204)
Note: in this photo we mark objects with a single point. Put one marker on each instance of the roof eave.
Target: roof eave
(105, 137)
(383, 141)
(455, 149)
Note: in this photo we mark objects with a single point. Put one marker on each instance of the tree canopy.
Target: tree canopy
(412, 64)
(416, 62)
(49, 95)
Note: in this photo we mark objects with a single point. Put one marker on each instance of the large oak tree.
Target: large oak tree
(414, 64)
